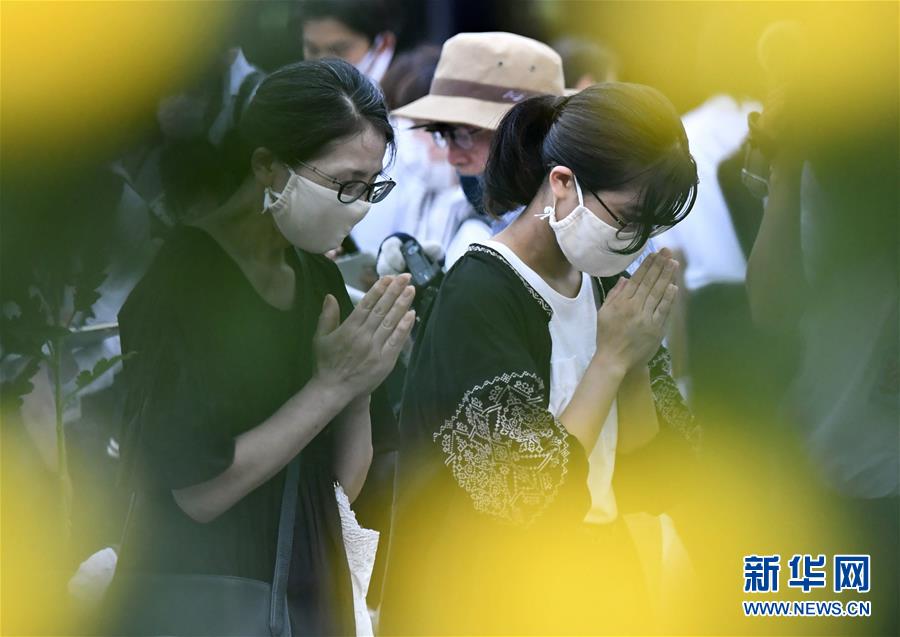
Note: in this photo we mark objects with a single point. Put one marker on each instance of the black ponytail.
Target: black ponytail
(516, 166)
(612, 136)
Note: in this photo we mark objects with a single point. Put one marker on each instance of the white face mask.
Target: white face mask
(310, 216)
(374, 65)
(588, 242)
(423, 162)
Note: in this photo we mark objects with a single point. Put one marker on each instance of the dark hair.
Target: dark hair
(366, 17)
(301, 108)
(409, 76)
(612, 136)
(582, 57)
(296, 113)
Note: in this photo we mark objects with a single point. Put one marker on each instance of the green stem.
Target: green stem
(62, 460)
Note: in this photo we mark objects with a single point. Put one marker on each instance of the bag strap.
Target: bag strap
(284, 548)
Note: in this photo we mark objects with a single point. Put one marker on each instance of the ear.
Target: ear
(262, 162)
(562, 182)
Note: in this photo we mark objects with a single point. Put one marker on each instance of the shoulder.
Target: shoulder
(322, 276)
(319, 266)
(483, 278)
(189, 270)
(184, 252)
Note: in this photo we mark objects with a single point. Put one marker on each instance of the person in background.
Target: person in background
(248, 352)
(521, 393)
(361, 32)
(479, 78)
(823, 270)
(430, 185)
(586, 62)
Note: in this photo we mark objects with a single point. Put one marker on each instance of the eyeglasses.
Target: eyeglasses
(459, 136)
(350, 191)
(621, 222)
(628, 226)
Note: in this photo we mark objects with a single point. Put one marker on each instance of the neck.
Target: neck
(534, 242)
(249, 235)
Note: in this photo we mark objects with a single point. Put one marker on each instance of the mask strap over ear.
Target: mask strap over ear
(549, 210)
(270, 196)
(578, 190)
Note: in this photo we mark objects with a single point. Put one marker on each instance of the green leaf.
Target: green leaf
(91, 275)
(28, 339)
(14, 390)
(86, 377)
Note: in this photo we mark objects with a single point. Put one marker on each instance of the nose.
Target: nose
(457, 156)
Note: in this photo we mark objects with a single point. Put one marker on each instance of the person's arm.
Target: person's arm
(263, 451)
(638, 423)
(630, 326)
(586, 412)
(353, 446)
(351, 360)
(776, 285)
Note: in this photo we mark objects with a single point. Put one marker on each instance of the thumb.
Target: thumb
(329, 319)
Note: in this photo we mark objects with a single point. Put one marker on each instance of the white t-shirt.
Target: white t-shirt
(573, 338)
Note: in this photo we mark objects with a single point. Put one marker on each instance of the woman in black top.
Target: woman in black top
(248, 351)
(489, 533)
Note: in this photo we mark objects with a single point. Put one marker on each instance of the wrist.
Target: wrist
(333, 396)
(359, 405)
(636, 374)
(610, 366)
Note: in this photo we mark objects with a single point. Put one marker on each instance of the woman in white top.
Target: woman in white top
(517, 378)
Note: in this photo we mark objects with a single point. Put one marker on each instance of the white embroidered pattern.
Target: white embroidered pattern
(477, 247)
(505, 449)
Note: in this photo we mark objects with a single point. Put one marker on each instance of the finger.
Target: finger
(650, 277)
(394, 316)
(635, 281)
(666, 277)
(401, 334)
(662, 311)
(329, 318)
(362, 310)
(386, 302)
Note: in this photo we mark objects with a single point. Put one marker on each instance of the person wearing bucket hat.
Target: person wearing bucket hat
(479, 78)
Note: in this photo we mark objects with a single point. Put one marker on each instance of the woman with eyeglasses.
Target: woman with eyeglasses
(248, 353)
(538, 364)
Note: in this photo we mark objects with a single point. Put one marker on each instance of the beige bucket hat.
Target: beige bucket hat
(481, 76)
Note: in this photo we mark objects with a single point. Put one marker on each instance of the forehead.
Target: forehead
(361, 153)
(325, 31)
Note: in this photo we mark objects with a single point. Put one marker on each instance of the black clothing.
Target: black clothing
(212, 361)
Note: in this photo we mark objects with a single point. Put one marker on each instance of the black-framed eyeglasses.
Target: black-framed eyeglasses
(629, 226)
(350, 191)
(621, 222)
(445, 135)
